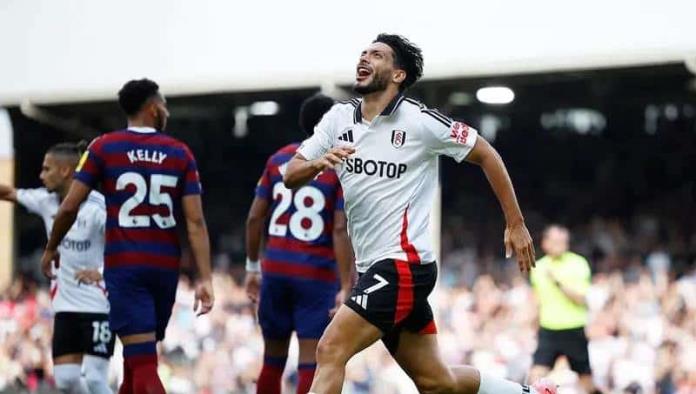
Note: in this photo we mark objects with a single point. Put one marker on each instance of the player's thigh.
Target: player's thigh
(575, 347)
(164, 294)
(132, 305)
(312, 303)
(96, 335)
(347, 334)
(275, 312)
(419, 356)
(66, 345)
(547, 350)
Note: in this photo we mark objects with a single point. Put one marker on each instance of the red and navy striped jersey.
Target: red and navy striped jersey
(143, 176)
(300, 229)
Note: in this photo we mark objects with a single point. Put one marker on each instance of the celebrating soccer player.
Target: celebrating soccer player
(385, 148)
(82, 339)
(298, 280)
(146, 176)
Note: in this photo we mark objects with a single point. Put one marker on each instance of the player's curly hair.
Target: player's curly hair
(135, 93)
(407, 56)
(312, 110)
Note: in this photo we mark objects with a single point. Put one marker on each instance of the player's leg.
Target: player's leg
(419, 356)
(347, 334)
(544, 356)
(313, 303)
(133, 317)
(67, 354)
(576, 349)
(98, 347)
(275, 319)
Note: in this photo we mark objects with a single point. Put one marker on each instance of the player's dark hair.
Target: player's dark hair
(312, 110)
(407, 56)
(69, 149)
(135, 93)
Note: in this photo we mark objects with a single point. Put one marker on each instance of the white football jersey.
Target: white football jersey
(389, 182)
(82, 248)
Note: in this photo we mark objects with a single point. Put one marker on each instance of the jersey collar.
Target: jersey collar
(388, 110)
(142, 129)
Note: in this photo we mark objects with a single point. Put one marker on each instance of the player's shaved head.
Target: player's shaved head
(312, 110)
(407, 56)
(67, 150)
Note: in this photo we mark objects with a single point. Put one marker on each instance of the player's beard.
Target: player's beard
(378, 84)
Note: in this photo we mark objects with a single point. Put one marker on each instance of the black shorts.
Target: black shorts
(570, 343)
(393, 296)
(85, 333)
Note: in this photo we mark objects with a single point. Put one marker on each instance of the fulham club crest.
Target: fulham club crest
(398, 138)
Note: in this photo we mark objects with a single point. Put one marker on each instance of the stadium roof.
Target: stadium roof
(82, 50)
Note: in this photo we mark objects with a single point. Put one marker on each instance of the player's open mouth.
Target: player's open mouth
(362, 73)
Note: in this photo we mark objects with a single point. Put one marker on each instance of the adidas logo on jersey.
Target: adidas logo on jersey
(347, 136)
(360, 300)
(101, 348)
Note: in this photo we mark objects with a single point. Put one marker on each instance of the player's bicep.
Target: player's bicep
(321, 140)
(192, 207)
(340, 222)
(259, 209)
(78, 193)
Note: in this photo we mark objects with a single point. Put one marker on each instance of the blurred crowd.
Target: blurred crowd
(642, 329)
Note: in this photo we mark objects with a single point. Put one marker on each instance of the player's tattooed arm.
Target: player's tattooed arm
(8, 193)
(516, 237)
(63, 221)
(200, 246)
(301, 171)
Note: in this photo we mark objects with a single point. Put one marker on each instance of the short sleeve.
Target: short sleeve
(583, 275)
(192, 181)
(321, 141)
(32, 199)
(90, 168)
(446, 136)
(263, 187)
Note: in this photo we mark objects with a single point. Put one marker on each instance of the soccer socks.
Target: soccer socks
(141, 359)
(306, 375)
(69, 379)
(96, 374)
(271, 375)
(491, 385)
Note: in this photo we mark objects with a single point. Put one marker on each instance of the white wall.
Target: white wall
(85, 49)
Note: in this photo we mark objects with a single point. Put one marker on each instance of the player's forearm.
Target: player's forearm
(300, 172)
(200, 246)
(575, 296)
(344, 258)
(492, 165)
(254, 234)
(8, 193)
(63, 221)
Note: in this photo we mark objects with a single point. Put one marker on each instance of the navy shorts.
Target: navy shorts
(141, 299)
(293, 304)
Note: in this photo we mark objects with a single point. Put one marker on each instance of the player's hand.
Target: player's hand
(334, 157)
(252, 285)
(204, 297)
(49, 258)
(88, 277)
(340, 299)
(518, 241)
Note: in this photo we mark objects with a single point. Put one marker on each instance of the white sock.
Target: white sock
(492, 385)
(69, 379)
(96, 374)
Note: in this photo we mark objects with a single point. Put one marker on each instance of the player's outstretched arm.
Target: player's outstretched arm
(301, 171)
(63, 221)
(254, 234)
(200, 246)
(8, 193)
(517, 238)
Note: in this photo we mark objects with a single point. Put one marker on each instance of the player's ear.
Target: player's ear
(398, 76)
